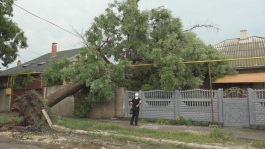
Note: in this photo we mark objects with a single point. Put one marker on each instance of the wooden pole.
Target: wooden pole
(211, 91)
(48, 119)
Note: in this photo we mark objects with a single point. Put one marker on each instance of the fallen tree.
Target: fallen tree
(31, 104)
(58, 96)
(150, 48)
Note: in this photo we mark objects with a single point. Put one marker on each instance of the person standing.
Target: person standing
(135, 102)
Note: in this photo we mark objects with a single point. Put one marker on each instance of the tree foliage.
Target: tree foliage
(129, 37)
(53, 75)
(125, 33)
(11, 36)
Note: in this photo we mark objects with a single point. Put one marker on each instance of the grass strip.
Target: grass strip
(5, 119)
(88, 125)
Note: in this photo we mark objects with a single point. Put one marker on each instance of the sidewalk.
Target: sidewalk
(239, 133)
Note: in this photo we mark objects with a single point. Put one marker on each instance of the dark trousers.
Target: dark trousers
(134, 117)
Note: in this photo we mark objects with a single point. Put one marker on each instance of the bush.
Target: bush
(258, 144)
(217, 133)
(196, 123)
(182, 121)
(163, 122)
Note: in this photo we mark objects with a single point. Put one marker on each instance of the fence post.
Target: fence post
(251, 109)
(177, 104)
(141, 96)
(220, 106)
(126, 104)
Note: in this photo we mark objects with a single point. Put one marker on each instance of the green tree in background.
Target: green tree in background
(11, 36)
(123, 38)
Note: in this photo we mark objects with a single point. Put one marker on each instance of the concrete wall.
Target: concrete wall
(120, 99)
(4, 101)
(196, 105)
(113, 108)
(63, 108)
(110, 109)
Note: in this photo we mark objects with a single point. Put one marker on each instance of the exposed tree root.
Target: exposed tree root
(30, 106)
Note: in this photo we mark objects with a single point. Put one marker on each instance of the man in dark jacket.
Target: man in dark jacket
(135, 102)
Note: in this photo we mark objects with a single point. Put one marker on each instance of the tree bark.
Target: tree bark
(58, 96)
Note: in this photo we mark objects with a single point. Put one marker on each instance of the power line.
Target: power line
(223, 60)
(22, 58)
(207, 61)
(30, 52)
(38, 54)
(47, 21)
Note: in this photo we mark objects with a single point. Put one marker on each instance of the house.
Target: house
(247, 56)
(14, 82)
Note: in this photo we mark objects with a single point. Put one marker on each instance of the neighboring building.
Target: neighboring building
(249, 53)
(12, 81)
(36, 66)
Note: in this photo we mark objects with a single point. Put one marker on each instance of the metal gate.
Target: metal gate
(235, 107)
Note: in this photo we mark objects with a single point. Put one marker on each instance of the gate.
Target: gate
(235, 107)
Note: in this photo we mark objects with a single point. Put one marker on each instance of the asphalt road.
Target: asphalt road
(9, 143)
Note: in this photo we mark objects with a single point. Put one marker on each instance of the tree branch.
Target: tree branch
(82, 36)
(208, 26)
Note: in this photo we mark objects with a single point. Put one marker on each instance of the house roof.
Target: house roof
(242, 48)
(38, 65)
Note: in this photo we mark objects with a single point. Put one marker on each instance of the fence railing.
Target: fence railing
(197, 105)
(193, 104)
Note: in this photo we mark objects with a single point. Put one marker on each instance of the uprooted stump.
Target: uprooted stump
(31, 105)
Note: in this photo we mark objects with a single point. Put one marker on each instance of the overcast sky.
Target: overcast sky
(231, 16)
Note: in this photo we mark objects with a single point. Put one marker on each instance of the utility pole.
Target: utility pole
(211, 91)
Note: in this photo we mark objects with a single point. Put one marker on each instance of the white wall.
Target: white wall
(63, 108)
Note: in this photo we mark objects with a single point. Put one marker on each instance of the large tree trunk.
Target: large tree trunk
(58, 96)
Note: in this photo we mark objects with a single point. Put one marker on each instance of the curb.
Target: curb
(165, 141)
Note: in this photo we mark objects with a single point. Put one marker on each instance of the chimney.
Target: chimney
(19, 63)
(54, 49)
(243, 34)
